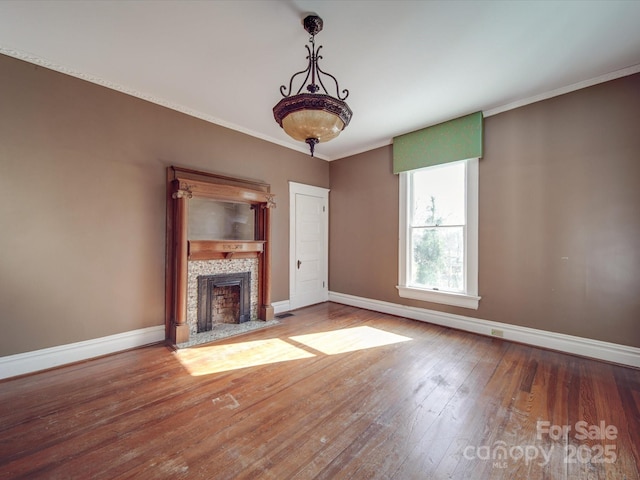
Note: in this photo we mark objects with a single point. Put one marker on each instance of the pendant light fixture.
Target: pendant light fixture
(314, 116)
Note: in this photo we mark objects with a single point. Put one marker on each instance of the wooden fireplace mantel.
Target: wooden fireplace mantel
(218, 249)
(183, 184)
(231, 193)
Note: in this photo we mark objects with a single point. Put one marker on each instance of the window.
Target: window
(439, 234)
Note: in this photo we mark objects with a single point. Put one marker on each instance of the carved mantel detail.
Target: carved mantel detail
(270, 200)
(182, 194)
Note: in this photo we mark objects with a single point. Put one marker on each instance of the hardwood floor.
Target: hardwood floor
(332, 392)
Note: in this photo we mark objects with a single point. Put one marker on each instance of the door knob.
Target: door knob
(299, 263)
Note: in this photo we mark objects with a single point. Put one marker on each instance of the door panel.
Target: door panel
(310, 250)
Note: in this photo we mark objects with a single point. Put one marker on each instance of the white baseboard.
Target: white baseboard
(611, 352)
(29, 362)
(280, 307)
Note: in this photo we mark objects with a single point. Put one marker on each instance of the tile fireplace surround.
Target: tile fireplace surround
(216, 267)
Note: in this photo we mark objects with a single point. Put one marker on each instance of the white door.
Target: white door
(309, 213)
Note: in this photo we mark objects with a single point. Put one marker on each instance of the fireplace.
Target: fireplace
(219, 258)
(223, 298)
(228, 270)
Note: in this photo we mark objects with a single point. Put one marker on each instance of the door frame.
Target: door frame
(310, 190)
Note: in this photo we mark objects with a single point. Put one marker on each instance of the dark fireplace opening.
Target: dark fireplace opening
(223, 298)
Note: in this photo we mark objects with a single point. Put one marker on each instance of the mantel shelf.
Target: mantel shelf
(215, 249)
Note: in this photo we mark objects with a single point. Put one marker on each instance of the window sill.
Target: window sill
(435, 296)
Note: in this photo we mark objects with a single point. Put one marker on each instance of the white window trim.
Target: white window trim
(470, 299)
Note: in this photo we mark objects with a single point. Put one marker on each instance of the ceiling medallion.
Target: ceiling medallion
(315, 116)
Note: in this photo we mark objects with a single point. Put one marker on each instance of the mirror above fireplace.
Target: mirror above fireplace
(211, 219)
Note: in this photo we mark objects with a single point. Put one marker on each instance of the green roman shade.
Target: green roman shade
(450, 141)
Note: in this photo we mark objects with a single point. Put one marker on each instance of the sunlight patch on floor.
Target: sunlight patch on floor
(206, 360)
(349, 339)
(222, 358)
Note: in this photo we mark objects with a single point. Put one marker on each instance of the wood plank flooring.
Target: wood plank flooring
(333, 392)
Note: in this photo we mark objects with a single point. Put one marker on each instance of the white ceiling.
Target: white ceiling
(407, 64)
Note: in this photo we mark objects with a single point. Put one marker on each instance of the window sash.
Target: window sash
(412, 211)
(434, 286)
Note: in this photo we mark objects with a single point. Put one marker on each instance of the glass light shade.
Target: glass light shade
(319, 124)
(318, 116)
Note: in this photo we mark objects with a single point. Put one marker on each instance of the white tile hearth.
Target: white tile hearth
(225, 330)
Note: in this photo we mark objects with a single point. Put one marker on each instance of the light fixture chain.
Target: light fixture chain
(314, 71)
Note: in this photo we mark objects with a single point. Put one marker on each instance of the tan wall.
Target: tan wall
(82, 221)
(82, 203)
(559, 178)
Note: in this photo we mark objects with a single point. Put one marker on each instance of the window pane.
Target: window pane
(437, 258)
(439, 195)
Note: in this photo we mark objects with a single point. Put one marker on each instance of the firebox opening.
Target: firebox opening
(225, 307)
(223, 299)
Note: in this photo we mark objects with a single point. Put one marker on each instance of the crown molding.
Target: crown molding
(45, 63)
(302, 148)
(625, 72)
